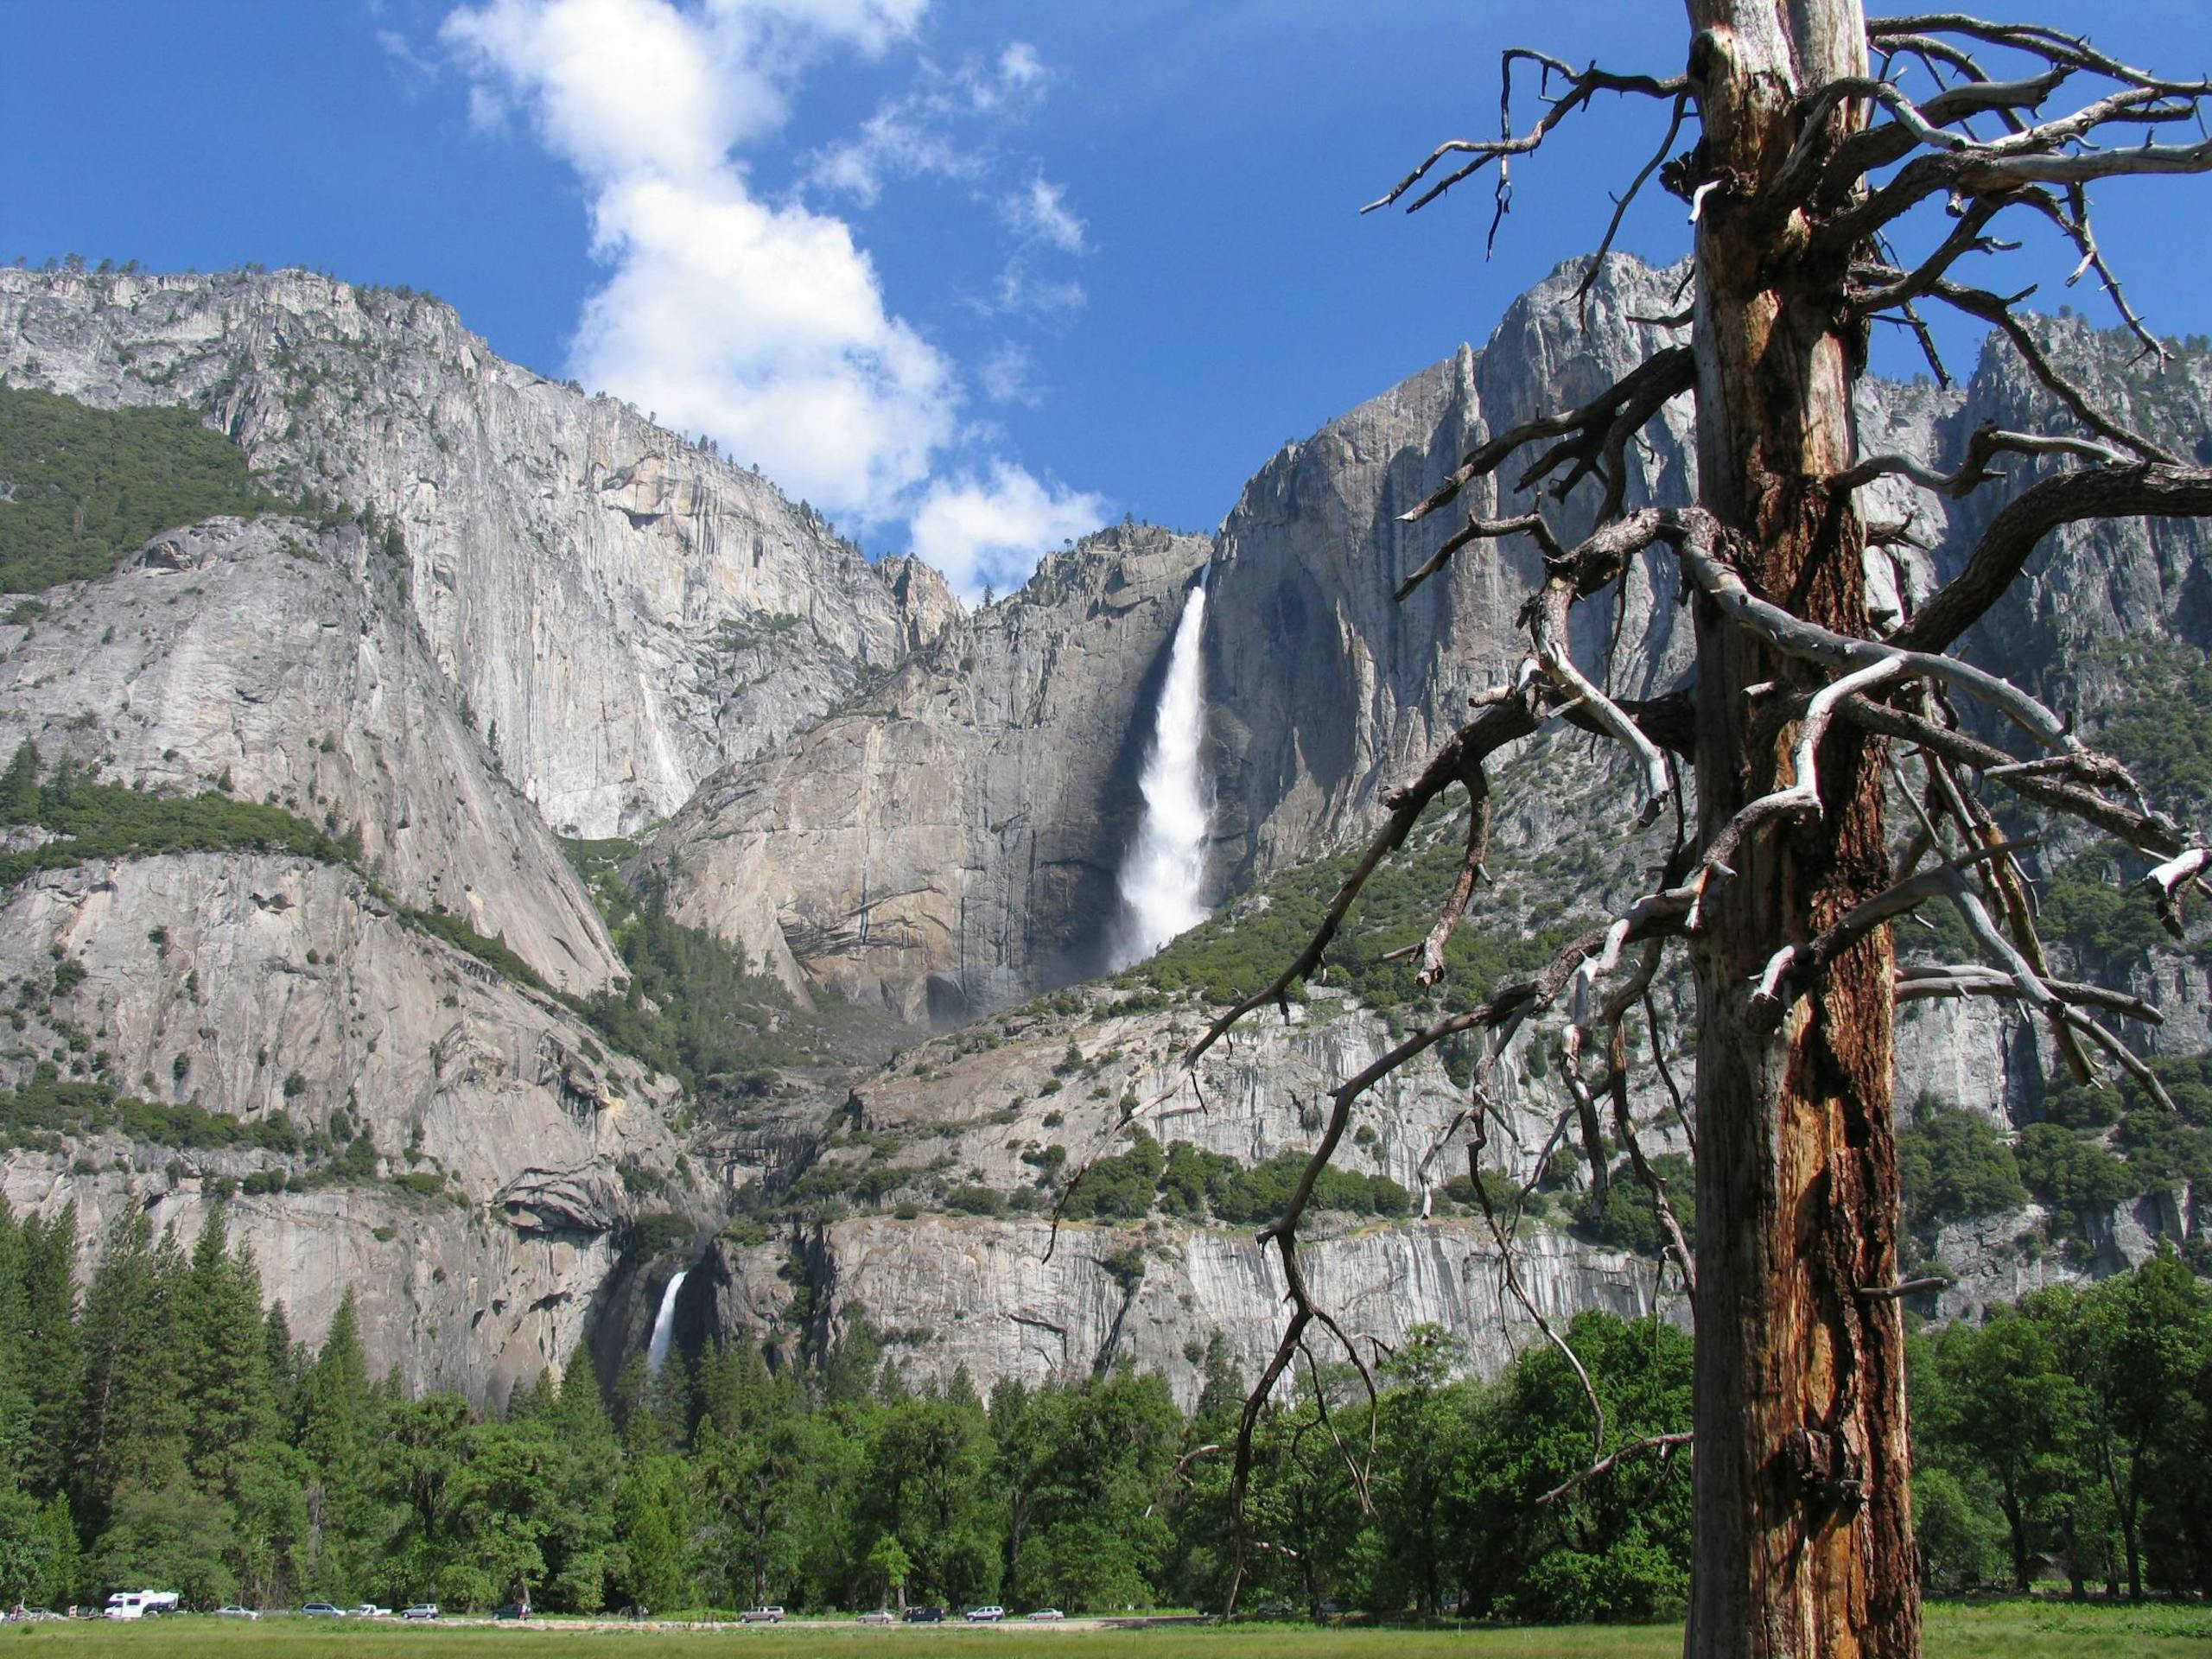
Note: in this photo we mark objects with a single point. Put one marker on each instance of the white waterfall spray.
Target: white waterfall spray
(664, 1326)
(1163, 878)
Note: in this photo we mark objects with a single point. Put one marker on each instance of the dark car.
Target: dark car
(512, 1610)
(925, 1615)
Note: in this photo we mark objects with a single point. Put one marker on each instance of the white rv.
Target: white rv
(138, 1604)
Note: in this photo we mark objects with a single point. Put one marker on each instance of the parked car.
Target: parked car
(925, 1615)
(421, 1609)
(880, 1615)
(990, 1615)
(761, 1616)
(1048, 1612)
(513, 1610)
(232, 1610)
(323, 1610)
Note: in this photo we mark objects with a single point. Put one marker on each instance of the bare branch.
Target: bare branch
(1907, 1287)
(1511, 1275)
(1581, 88)
(2173, 879)
(1474, 530)
(2049, 44)
(1696, 544)
(1548, 619)
(1890, 141)
(2113, 491)
(1678, 1244)
(2147, 832)
(1922, 983)
(1665, 375)
(1987, 443)
(1461, 757)
(1666, 1076)
(1462, 889)
(1513, 714)
(1353, 1467)
(1605, 1465)
(1997, 311)
(1621, 204)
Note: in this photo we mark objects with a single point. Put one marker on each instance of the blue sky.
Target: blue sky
(971, 274)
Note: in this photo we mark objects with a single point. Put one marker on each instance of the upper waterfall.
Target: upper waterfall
(1163, 878)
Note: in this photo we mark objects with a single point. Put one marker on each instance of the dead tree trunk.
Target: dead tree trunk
(1804, 1533)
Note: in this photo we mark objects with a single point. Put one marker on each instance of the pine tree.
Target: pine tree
(19, 801)
(49, 1357)
(534, 1400)
(335, 1394)
(334, 1418)
(652, 1530)
(285, 1365)
(130, 1426)
(14, 1388)
(223, 1359)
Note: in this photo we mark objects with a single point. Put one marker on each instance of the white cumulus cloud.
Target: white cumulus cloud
(990, 530)
(764, 323)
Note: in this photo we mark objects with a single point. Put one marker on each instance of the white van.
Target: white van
(138, 1604)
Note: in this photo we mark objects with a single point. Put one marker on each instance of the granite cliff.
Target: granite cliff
(566, 621)
(621, 611)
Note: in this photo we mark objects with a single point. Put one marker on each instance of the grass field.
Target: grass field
(2012, 1630)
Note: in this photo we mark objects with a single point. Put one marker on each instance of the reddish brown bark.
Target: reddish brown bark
(1804, 1530)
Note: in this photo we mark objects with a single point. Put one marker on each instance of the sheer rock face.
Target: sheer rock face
(255, 984)
(1308, 560)
(282, 663)
(1007, 1299)
(947, 840)
(1018, 1106)
(622, 612)
(1310, 556)
(2087, 584)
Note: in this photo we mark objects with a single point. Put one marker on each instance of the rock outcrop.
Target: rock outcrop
(1310, 556)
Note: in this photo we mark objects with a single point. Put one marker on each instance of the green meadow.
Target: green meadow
(2013, 1629)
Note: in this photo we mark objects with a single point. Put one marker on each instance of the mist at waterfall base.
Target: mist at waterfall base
(664, 1326)
(1163, 879)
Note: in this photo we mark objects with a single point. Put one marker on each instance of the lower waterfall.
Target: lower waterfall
(1163, 878)
(663, 1324)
